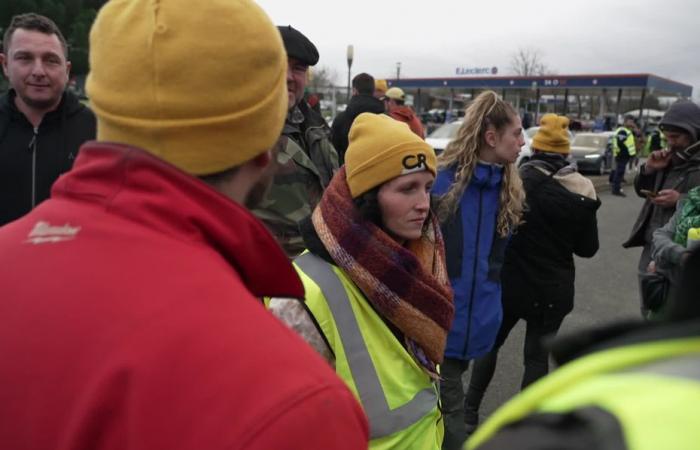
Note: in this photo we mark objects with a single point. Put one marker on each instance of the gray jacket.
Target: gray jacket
(665, 252)
(681, 175)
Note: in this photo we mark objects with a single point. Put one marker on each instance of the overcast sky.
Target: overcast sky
(432, 38)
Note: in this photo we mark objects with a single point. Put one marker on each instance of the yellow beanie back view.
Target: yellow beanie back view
(553, 134)
(201, 85)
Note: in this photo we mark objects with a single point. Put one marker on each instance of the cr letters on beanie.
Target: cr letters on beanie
(553, 134)
(203, 87)
(381, 149)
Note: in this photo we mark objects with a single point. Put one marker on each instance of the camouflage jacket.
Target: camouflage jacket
(305, 166)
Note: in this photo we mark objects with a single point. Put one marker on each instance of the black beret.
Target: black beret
(298, 46)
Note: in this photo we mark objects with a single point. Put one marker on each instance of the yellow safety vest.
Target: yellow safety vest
(629, 142)
(399, 398)
(652, 390)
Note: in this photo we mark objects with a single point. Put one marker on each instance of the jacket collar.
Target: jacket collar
(487, 175)
(136, 186)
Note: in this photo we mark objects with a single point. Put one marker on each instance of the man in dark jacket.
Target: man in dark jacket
(307, 160)
(41, 124)
(538, 272)
(362, 100)
(667, 175)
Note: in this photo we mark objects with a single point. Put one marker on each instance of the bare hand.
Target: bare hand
(651, 268)
(658, 160)
(666, 198)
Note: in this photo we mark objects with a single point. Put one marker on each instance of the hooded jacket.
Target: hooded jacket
(559, 222)
(129, 319)
(359, 104)
(682, 174)
(405, 114)
(31, 160)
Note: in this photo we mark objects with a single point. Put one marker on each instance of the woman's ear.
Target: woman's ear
(490, 137)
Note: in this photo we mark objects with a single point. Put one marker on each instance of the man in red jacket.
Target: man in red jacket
(129, 316)
(394, 105)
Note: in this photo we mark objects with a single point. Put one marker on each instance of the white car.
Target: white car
(442, 136)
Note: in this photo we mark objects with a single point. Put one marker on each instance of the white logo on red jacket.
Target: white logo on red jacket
(44, 232)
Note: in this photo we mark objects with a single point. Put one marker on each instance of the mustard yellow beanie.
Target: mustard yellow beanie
(553, 135)
(381, 149)
(380, 85)
(201, 85)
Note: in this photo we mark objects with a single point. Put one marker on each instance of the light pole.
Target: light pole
(350, 55)
(398, 70)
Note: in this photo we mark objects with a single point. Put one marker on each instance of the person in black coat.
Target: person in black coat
(362, 100)
(538, 271)
(42, 125)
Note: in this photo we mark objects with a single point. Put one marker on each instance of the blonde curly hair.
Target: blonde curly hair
(487, 110)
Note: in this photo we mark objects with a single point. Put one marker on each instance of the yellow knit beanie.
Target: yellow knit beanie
(201, 85)
(553, 135)
(380, 85)
(381, 149)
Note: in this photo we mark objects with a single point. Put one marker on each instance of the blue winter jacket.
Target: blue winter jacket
(474, 258)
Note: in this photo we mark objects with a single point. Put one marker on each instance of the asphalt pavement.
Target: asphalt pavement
(606, 290)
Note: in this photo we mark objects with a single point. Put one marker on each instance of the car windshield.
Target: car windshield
(447, 131)
(590, 140)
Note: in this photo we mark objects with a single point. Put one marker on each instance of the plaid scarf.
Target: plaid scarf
(408, 286)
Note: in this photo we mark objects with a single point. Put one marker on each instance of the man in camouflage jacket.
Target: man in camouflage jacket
(307, 161)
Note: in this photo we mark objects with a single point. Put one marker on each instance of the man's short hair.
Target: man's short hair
(33, 22)
(363, 83)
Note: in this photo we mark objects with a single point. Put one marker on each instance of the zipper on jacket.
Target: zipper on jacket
(474, 271)
(32, 148)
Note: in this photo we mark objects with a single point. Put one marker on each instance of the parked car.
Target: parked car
(442, 136)
(593, 152)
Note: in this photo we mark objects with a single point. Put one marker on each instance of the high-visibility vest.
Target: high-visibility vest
(629, 142)
(650, 138)
(398, 397)
(651, 390)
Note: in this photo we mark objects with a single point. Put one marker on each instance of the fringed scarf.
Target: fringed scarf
(408, 285)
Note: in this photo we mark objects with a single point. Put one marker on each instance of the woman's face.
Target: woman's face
(503, 147)
(405, 203)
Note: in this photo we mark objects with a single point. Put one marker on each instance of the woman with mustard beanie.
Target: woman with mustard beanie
(480, 205)
(378, 301)
(538, 271)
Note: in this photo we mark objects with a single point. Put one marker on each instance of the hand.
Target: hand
(666, 198)
(651, 268)
(658, 160)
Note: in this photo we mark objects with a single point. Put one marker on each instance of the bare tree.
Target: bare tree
(528, 62)
(322, 77)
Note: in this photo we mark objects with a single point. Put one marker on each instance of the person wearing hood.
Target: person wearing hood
(538, 271)
(665, 179)
(42, 125)
(377, 292)
(362, 100)
(394, 105)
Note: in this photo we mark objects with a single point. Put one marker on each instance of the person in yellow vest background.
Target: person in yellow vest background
(624, 148)
(626, 386)
(376, 284)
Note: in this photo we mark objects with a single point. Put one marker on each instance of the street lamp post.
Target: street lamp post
(398, 70)
(350, 55)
